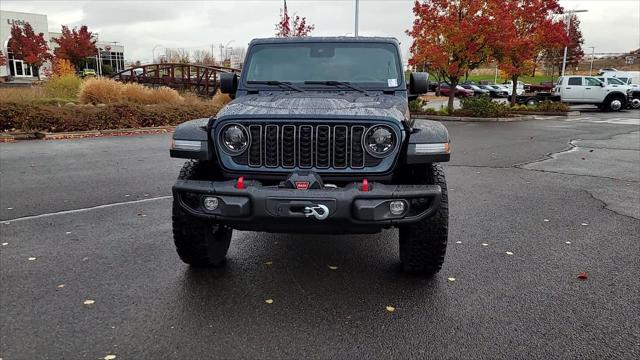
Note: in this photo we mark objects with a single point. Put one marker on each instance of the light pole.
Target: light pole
(593, 50)
(153, 53)
(569, 15)
(226, 50)
(356, 20)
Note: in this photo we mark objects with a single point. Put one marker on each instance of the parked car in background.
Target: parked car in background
(607, 70)
(477, 91)
(506, 92)
(591, 91)
(519, 87)
(86, 73)
(444, 89)
(494, 92)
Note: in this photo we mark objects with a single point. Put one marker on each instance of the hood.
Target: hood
(331, 104)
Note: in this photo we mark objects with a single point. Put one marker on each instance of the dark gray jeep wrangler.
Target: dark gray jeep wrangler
(318, 139)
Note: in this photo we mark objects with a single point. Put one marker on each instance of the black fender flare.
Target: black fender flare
(192, 131)
(427, 132)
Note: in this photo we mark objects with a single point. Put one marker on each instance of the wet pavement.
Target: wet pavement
(88, 269)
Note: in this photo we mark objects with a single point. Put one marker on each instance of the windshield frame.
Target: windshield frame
(245, 86)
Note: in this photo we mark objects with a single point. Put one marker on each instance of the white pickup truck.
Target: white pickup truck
(587, 90)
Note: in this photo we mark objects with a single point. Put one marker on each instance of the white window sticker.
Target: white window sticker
(392, 82)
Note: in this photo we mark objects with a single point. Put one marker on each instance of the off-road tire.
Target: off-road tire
(198, 242)
(423, 245)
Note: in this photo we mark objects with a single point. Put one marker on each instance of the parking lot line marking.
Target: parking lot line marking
(105, 206)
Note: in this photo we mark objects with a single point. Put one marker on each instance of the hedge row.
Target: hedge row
(52, 118)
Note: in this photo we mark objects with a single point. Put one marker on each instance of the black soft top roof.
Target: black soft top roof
(316, 39)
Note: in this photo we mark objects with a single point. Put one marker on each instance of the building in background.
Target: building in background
(15, 67)
(109, 60)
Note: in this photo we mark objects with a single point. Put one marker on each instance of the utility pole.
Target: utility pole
(355, 33)
(569, 14)
(593, 50)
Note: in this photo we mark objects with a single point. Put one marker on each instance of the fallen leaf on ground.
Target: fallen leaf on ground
(5, 244)
(269, 263)
(485, 244)
(9, 208)
(458, 242)
(31, 258)
(584, 224)
(68, 232)
(127, 195)
(546, 220)
(333, 267)
(60, 286)
(583, 275)
(269, 301)
(451, 279)
(109, 357)
(89, 302)
(509, 253)
(567, 242)
(390, 308)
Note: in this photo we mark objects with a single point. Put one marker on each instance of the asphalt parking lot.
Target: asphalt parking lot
(88, 268)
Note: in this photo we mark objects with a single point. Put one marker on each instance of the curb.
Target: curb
(520, 116)
(470, 119)
(42, 135)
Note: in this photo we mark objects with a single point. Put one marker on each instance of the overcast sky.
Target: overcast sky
(610, 25)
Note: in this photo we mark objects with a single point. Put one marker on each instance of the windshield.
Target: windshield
(368, 64)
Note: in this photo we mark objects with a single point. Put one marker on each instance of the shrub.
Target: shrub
(63, 86)
(136, 93)
(443, 111)
(100, 91)
(219, 99)
(165, 95)
(550, 106)
(53, 118)
(416, 105)
(21, 94)
(62, 67)
(483, 106)
(521, 107)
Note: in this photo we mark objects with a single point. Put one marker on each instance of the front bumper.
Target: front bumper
(277, 209)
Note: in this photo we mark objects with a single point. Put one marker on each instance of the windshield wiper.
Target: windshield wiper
(277, 83)
(335, 83)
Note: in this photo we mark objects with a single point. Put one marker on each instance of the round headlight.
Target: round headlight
(379, 140)
(234, 139)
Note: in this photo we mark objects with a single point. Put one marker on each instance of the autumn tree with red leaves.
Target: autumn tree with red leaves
(32, 48)
(452, 37)
(553, 54)
(75, 45)
(530, 29)
(292, 27)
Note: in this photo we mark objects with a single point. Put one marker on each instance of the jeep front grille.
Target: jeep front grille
(307, 146)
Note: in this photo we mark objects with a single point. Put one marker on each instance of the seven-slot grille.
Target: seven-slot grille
(306, 146)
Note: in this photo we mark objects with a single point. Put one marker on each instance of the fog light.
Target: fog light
(210, 203)
(397, 207)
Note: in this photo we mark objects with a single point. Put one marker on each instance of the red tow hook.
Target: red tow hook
(240, 183)
(365, 185)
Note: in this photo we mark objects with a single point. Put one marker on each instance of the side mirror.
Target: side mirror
(228, 83)
(602, 84)
(418, 83)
